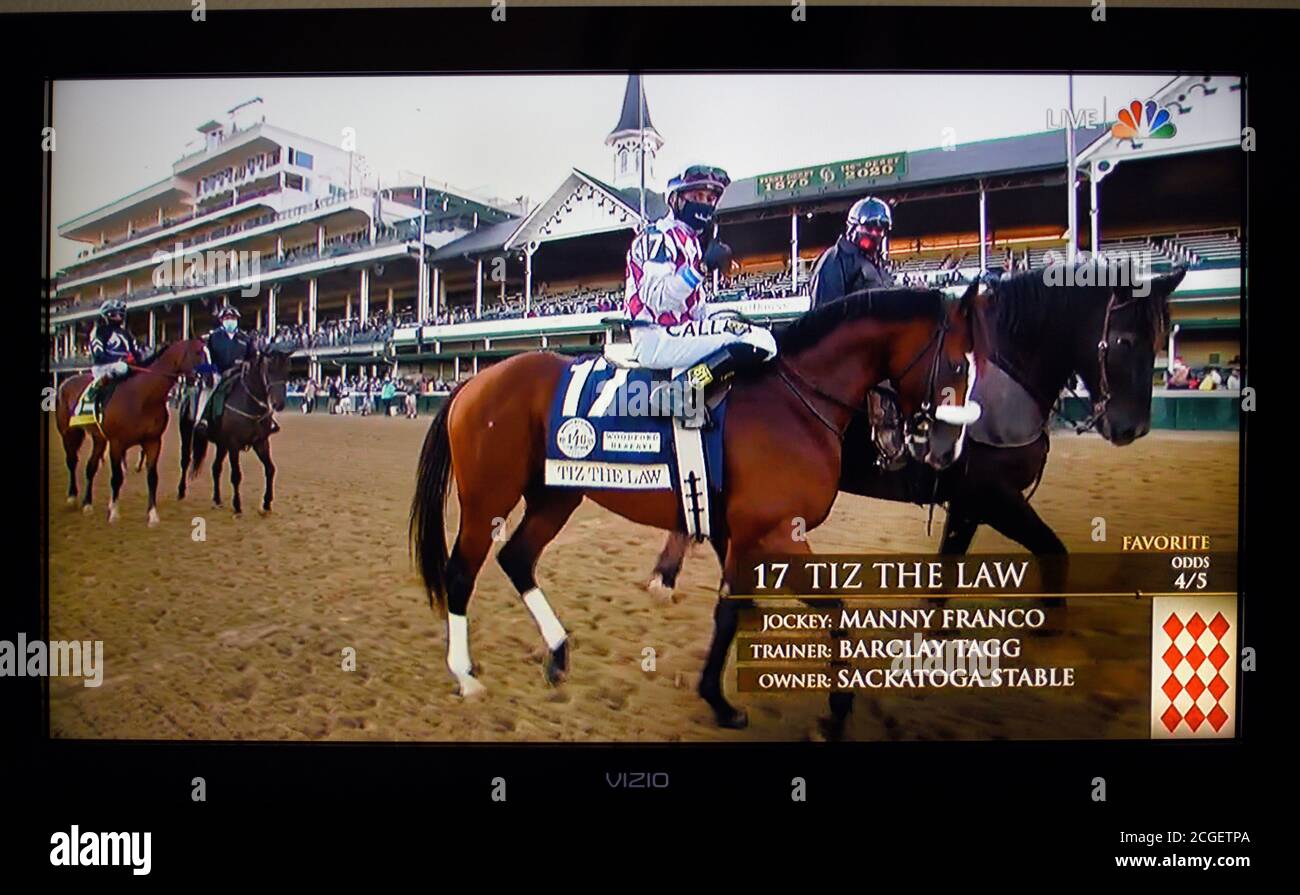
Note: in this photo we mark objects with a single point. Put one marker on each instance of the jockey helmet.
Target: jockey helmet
(113, 311)
(697, 215)
(868, 224)
(229, 311)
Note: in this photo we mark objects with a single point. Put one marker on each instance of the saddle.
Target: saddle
(621, 356)
(607, 430)
(220, 392)
(89, 409)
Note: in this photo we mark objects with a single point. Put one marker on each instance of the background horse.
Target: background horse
(491, 437)
(245, 421)
(134, 414)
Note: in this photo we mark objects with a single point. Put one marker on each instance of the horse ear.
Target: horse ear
(1164, 285)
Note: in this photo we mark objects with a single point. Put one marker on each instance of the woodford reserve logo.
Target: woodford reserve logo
(576, 438)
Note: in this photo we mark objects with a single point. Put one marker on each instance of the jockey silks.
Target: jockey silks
(666, 287)
(110, 344)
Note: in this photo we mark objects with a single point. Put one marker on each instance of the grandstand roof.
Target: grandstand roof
(513, 233)
(655, 206)
(986, 158)
(484, 239)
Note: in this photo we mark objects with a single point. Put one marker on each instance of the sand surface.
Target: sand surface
(242, 635)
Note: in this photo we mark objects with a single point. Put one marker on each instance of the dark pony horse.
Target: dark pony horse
(490, 437)
(1045, 335)
(245, 422)
(135, 414)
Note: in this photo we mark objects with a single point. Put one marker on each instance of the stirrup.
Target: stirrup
(888, 460)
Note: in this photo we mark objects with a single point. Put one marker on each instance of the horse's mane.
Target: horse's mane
(1031, 314)
(898, 303)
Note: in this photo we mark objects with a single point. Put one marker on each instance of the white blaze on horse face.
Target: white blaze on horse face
(970, 391)
(552, 631)
(968, 412)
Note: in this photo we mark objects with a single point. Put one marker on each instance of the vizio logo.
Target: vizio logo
(637, 780)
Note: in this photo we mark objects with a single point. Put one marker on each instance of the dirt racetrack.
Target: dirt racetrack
(241, 635)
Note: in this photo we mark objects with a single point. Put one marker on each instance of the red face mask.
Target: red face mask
(870, 240)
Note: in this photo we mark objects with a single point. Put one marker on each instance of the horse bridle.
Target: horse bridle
(263, 402)
(1103, 376)
(919, 422)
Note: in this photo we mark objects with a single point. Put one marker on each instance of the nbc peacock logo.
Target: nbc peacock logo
(1139, 122)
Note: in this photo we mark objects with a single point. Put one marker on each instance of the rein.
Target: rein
(1103, 347)
(139, 369)
(792, 378)
(262, 402)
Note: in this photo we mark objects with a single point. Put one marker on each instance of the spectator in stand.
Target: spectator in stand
(333, 397)
(1178, 377)
(1234, 380)
(309, 396)
(1211, 380)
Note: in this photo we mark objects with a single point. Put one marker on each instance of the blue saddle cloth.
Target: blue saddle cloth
(603, 431)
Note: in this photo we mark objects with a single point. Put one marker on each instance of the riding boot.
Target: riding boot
(703, 378)
(886, 429)
(89, 401)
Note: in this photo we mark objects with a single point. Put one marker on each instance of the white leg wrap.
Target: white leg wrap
(458, 645)
(552, 631)
(458, 656)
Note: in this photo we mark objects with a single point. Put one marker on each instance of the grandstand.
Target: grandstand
(429, 281)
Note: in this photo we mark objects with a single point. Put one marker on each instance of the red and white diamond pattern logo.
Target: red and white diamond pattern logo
(1193, 666)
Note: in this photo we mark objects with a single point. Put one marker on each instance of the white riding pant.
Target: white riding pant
(677, 347)
(115, 369)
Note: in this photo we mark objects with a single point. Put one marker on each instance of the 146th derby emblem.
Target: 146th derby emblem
(576, 438)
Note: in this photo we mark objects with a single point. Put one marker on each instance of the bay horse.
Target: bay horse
(245, 421)
(134, 414)
(781, 465)
(1045, 335)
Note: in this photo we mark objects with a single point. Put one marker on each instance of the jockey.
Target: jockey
(666, 293)
(112, 350)
(859, 261)
(228, 348)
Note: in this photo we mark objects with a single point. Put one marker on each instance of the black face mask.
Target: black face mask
(696, 215)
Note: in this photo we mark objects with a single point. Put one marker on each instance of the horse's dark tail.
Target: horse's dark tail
(198, 450)
(428, 534)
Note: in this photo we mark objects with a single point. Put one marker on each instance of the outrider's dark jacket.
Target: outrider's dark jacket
(842, 269)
